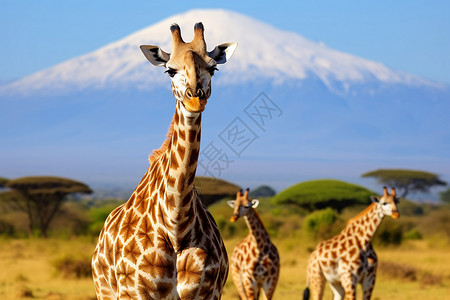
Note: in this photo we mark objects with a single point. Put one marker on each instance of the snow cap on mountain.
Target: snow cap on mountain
(264, 53)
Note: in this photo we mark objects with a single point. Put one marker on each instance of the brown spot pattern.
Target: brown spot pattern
(135, 248)
(348, 255)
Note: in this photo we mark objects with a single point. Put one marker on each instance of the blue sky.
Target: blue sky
(412, 36)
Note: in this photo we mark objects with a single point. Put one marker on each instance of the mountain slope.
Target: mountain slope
(264, 53)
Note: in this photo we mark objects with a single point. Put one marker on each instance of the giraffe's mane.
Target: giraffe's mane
(165, 145)
(361, 214)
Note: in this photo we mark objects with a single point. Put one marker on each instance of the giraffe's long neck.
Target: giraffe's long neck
(257, 229)
(364, 225)
(182, 155)
(177, 166)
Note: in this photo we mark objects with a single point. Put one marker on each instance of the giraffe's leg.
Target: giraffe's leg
(338, 290)
(269, 286)
(368, 282)
(349, 281)
(367, 286)
(250, 287)
(316, 285)
(315, 278)
(236, 275)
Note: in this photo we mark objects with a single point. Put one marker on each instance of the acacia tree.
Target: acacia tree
(406, 181)
(41, 197)
(319, 194)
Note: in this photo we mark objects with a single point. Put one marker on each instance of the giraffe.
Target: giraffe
(255, 263)
(349, 258)
(163, 243)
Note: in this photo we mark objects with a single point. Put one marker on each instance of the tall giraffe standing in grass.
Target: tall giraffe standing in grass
(255, 263)
(348, 258)
(163, 243)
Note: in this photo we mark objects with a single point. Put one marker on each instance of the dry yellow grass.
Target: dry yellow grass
(420, 255)
(27, 267)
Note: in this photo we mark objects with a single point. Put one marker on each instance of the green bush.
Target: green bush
(318, 225)
(319, 194)
(413, 234)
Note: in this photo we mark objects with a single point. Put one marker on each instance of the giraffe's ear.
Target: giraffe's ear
(374, 199)
(255, 203)
(230, 203)
(155, 55)
(222, 53)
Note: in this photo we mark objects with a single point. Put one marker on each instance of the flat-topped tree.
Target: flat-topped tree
(40, 197)
(406, 181)
(319, 194)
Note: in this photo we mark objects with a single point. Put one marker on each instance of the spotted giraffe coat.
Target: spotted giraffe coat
(255, 262)
(349, 258)
(163, 243)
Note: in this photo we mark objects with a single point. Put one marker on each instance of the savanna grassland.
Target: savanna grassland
(414, 266)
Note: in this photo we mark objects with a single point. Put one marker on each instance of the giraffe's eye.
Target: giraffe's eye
(212, 70)
(171, 72)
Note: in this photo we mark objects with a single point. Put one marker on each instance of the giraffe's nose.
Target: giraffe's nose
(190, 93)
(200, 93)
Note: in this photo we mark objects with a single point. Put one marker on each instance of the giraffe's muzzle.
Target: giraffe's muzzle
(234, 217)
(195, 104)
(395, 214)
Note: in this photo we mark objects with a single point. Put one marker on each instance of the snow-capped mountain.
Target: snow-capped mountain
(334, 115)
(264, 53)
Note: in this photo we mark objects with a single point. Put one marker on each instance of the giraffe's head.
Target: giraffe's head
(190, 66)
(387, 203)
(242, 205)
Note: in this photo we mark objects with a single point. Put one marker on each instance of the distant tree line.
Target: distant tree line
(39, 199)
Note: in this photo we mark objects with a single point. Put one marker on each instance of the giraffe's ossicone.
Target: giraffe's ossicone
(255, 262)
(349, 258)
(163, 243)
